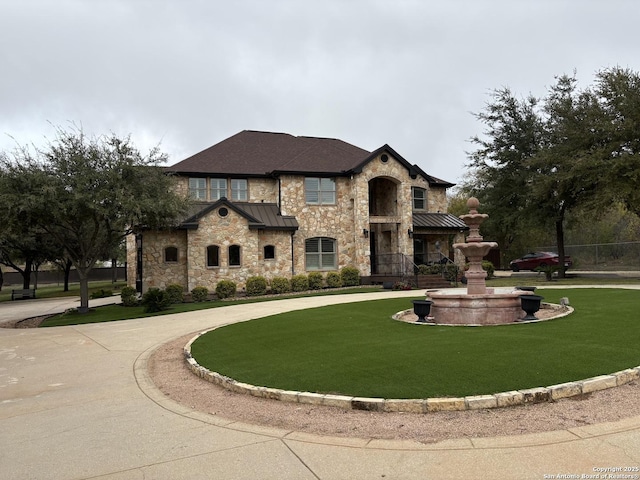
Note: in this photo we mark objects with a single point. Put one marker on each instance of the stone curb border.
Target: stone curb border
(423, 405)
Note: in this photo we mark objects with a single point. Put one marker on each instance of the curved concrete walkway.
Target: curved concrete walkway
(76, 403)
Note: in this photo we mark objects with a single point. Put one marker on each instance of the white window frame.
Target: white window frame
(320, 191)
(239, 189)
(217, 188)
(198, 188)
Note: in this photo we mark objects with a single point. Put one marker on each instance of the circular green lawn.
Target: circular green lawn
(358, 350)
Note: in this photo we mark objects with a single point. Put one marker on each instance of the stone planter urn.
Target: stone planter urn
(422, 308)
(526, 289)
(530, 304)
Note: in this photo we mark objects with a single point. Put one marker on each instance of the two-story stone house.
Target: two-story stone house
(273, 204)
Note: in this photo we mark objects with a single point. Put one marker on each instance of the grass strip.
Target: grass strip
(112, 313)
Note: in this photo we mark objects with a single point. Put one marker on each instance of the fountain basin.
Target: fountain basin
(460, 308)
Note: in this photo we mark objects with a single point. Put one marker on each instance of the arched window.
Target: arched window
(213, 256)
(234, 256)
(320, 253)
(269, 252)
(171, 254)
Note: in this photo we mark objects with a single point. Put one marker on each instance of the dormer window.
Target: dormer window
(419, 198)
(320, 191)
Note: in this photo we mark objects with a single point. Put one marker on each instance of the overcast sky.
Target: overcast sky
(187, 74)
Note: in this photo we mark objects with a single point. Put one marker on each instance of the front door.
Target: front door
(419, 251)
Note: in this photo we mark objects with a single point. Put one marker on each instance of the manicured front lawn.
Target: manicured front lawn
(111, 313)
(356, 349)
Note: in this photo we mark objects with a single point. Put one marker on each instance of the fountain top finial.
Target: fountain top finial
(473, 203)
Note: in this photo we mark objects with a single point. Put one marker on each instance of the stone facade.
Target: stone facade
(373, 210)
(157, 272)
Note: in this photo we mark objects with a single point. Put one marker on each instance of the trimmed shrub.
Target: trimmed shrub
(129, 296)
(350, 276)
(451, 272)
(175, 292)
(280, 285)
(334, 280)
(102, 293)
(200, 294)
(489, 268)
(226, 289)
(256, 285)
(315, 280)
(155, 300)
(424, 270)
(299, 283)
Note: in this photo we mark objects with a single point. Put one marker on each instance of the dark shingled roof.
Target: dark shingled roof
(261, 153)
(438, 221)
(261, 216)
(258, 154)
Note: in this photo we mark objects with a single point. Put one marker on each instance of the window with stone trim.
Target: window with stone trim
(419, 198)
(217, 188)
(234, 256)
(269, 252)
(320, 191)
(213, 256)
(320, 253)
(198, 188)
(171, 254)
(239, 189)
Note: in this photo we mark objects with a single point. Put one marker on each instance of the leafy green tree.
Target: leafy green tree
(88, 193)
(617, 92)
(565, 169)
(500, 167)
(540, 159)
(24, 244)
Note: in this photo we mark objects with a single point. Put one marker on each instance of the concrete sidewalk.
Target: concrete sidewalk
(21, 309)
(77, 403)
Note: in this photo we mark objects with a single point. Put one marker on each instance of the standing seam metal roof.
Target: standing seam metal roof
(438, 220)
(259, 215)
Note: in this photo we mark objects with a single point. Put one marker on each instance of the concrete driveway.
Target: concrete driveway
(77, 403)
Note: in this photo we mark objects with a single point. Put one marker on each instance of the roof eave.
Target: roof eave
(341, 173)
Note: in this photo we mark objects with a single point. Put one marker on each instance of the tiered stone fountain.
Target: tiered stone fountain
(478, 306)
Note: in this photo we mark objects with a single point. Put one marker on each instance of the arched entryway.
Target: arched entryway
(384, 221)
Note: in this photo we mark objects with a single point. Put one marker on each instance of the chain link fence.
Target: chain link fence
(623, 256)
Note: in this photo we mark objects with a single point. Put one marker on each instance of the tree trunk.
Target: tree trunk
(114, 270)
(26, 274)
(560, 241)
(83, 276)
(67, 272)
(1, 279)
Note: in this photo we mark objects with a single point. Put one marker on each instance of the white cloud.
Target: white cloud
(191, 73)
